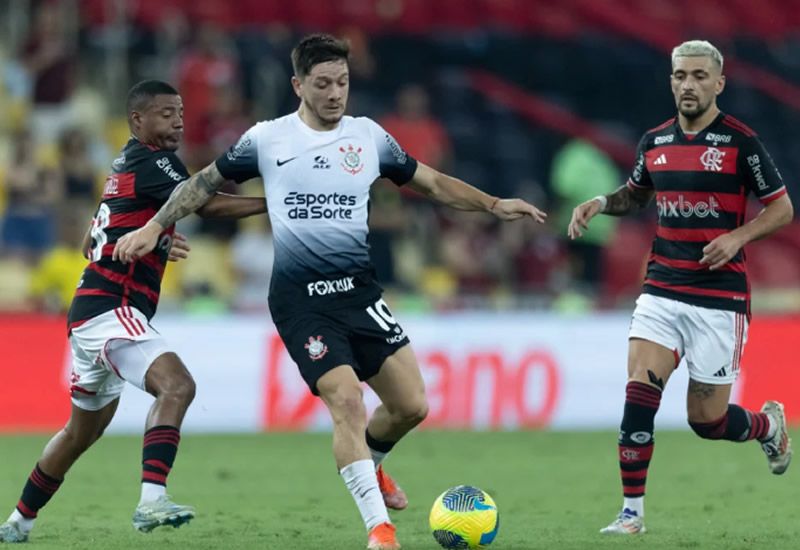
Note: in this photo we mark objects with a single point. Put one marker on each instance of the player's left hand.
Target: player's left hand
(719, 252)
(180, 248)
(514, 209)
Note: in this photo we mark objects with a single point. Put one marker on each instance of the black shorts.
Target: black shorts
(362, 337)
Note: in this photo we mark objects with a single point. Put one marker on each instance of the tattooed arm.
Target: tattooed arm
(187, 197)
(624, 200)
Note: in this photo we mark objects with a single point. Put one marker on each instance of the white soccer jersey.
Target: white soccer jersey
(317, 187)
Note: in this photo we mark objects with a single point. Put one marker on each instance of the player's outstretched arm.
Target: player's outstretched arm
(619, 203)
(774, 216)
(224, 205)
(187, 197)
(460, 195)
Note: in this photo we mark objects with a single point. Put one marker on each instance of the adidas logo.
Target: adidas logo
(662, 159)
(721, 373)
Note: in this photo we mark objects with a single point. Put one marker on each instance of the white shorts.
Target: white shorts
(115, 347)
(711, 340)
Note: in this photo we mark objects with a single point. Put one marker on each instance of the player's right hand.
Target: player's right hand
(132, 246)
(581, 216)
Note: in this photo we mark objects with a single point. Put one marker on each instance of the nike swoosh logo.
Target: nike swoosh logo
(282, 162)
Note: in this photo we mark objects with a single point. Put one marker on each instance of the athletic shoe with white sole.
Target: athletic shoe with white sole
(11, 532)
(778, 448)
(163, 511)
(627, 523)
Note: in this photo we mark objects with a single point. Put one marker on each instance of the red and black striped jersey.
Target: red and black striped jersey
(701, 185)
(141, 180)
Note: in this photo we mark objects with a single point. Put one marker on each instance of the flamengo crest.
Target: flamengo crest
(712, 159)
(316, 348)
(352, 160)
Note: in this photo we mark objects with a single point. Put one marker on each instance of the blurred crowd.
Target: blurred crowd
(62, 121)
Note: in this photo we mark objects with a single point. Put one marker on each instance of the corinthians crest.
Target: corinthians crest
(316, 348)
(711, 159)
(352, 159)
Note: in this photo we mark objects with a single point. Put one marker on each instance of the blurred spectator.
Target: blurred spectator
(471, 251)
(537, 252)
(54, 280)
(579, 172)
(416, 130)
(28, 228)
(50, 61)
(78, 172)
(206, 66)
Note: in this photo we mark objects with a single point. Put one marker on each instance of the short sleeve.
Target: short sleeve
(240, 162)
(640, 177)
(759, 171)
(394, 162)
(160, 175)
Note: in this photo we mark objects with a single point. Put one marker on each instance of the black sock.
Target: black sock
(158, 454)
(39, 488)
(379, 446)
(737, 424)
(636, 440)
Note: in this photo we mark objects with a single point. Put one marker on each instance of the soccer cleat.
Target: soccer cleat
(778, 448)
(393, 496)
(627, 523)
(163, 511)
(11, 532)
(383, 537)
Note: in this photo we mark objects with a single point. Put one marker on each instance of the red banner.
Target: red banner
(33, 394)
(529, 378)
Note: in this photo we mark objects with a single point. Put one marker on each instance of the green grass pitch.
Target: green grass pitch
(281, 491)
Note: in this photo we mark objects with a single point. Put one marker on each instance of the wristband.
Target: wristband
(603, 202)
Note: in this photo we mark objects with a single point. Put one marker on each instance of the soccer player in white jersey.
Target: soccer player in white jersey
(318, 166)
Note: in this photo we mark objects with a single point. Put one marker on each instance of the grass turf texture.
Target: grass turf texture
(281, 491)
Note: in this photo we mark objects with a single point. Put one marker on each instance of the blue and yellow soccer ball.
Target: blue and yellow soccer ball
(464, 517)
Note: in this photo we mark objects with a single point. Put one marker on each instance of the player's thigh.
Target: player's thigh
(133, 361)
(655, 341)
(317, 344)
(715, 342)
(706, 402)
(86, 426)
(399, 383)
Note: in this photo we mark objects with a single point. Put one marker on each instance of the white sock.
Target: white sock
(377, 456)
(363, 485)
(26, 524)
(634, 505)
(151, 492)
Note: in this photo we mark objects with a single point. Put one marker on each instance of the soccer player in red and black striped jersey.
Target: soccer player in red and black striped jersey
(109, 322)
(700, 166)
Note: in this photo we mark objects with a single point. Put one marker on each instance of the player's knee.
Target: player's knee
(346, 404)
(414, 412)
(181, 388)
(706, 430)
